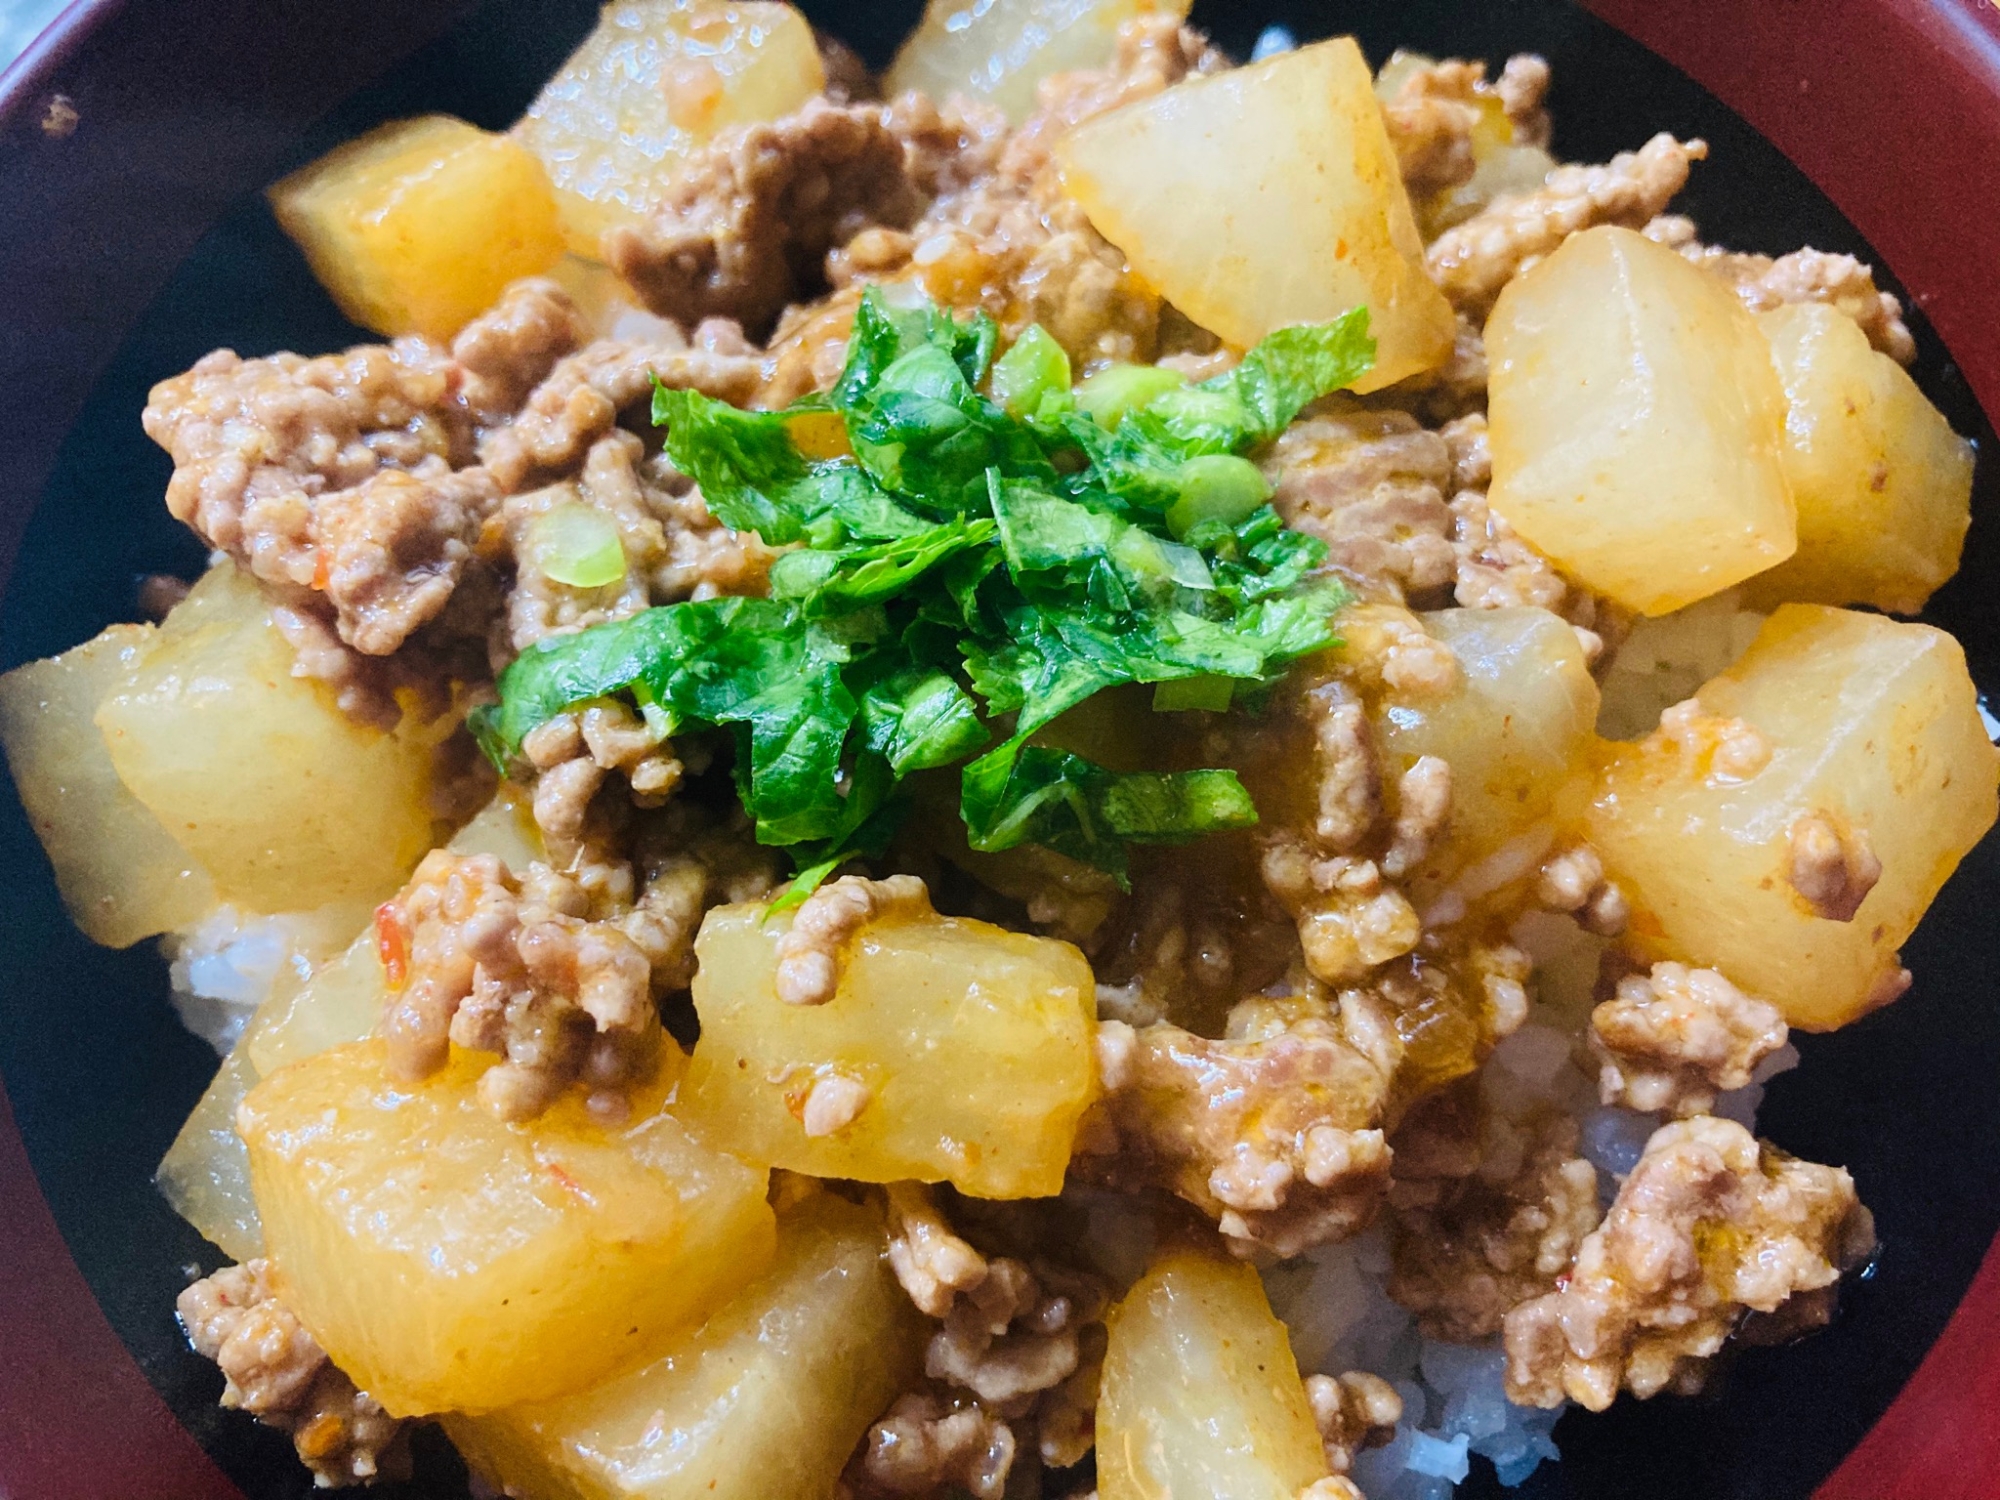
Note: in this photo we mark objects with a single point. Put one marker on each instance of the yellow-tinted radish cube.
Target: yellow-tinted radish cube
(1866, 748)
(287, 802)
(1515, 731)
(962, 1052)
(205, 1175)
(1001, 50)
(1201, 1395)
(418, 226)
(449, 1261)
(122, 876)
(655, 80)
(340, 1003)
(1637, 423)
(1883, 485)
(504, 828)
(1302, 209)
(765, 1402)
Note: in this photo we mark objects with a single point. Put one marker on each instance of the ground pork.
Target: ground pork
(505, 352)
(1573, 880)
(652, 874)
(933, 1264)
(812, 949)
(273, 1369)
(673, 548)
(1011, 1336)
(1274, 1131)
(1830, 864)
(1468, 442)
(364, 489)
(507, 965)
(1346, 765)
(1021, 1342)
(347, 483)
(1721, 751)
(1352, 1411)
(1670, 1041)
(929, 1444)
(1808, 275)
(1710, 1222)
(582, 396)
(1487, 1212)
(1523, 86)
(1439, 106)
(748, 225)
(1350, 920)
(1372, 486)
(575, 752)
(1423, 808)
(1472, 261)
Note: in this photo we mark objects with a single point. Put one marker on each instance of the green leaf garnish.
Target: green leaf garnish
(980, 565)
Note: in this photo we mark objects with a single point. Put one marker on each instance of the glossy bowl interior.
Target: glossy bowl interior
(134, 246)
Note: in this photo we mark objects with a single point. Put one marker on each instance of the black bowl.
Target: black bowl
(133, 245)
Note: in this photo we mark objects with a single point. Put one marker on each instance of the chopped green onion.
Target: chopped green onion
(1116, 391)
(1027, 375)
(1184, 693)
(1217, 487)
(576, 545)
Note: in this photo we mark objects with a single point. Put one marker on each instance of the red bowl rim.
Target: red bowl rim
(1892, 107)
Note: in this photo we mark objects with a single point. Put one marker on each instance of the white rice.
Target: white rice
(1341, 1318)
(229, 962)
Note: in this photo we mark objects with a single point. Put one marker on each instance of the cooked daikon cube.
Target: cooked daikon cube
(765, 1402)
(451, 1262)
(1859, 771)
(1301, 209)
(1637, 424)
(121, 874)
(1001, 50)
(1201, 1395)
(956, 1051)
(1883, 485)
(205, 1175)
(1516, 730)
(287, 802)
(418, 226)
(655, 80)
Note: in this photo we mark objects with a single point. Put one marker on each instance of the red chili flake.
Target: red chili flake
(1562, 1282)
(392, 944)
(569, 1183)
(323, 571)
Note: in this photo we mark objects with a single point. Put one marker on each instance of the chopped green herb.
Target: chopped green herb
(1116, 391)
(1032, 378)
(979, 565)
